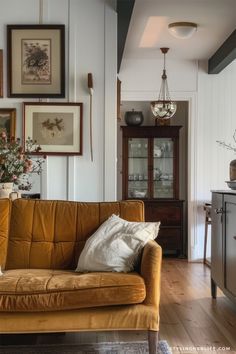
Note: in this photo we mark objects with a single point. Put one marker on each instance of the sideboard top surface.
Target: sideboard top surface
(226, 191)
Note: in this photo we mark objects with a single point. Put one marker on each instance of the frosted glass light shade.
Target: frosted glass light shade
(163, 109)
(182, 30)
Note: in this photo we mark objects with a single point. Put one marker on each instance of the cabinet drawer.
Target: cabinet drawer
(230, 246)
(169, 238)
(169, 214)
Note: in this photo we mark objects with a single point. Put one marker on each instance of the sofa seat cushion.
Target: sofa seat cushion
(49, 290)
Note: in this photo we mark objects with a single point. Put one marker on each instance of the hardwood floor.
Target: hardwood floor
(191, 321)
(189, 317)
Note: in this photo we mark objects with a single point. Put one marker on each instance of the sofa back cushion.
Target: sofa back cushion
(4, 229)
(51, 234)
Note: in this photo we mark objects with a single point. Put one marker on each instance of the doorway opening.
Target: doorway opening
(181, 118)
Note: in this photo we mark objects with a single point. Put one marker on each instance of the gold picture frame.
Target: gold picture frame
(8, 121)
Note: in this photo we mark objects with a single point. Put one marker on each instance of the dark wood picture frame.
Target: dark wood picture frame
(56, 127)
(1, 73)
(8, 121)
(36, 61)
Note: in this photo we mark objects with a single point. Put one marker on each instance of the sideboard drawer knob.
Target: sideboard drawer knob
(219, 210)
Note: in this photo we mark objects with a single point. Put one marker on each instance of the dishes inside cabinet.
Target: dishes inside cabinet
(157, 151)
(138, 194)
(157, 174)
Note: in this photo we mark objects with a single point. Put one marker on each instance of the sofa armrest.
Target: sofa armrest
(5, 207)
(151, 272)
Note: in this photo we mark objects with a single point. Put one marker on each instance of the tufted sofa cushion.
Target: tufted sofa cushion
(4, 228)
(48, 290)
(51, 234)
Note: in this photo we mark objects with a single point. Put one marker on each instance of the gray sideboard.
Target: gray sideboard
(223, 243)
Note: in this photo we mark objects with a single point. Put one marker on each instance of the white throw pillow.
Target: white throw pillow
(116, 245)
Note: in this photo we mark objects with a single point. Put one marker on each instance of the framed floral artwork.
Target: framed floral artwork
(36, 61)
(56, 127)
(8, 121)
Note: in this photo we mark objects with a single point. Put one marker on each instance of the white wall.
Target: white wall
(216, 121)
(90, 42)
(145, 75)
(211, 117)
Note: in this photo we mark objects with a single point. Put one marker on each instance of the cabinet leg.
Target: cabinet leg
(213, 289)
(205, 243)
(181, 255)
(153, 342)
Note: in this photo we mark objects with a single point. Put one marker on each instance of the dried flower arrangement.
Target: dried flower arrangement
(229, 146)
(17, 164)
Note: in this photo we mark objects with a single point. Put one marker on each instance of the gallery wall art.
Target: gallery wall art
(56, 127)
(36, 61)
(8, 121)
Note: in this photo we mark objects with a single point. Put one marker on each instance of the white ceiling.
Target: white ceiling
(148, 31)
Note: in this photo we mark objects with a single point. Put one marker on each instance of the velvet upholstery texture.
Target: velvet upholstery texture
(39, 290)
(48, 290)
(51, 234)
(4, 229)
(108, 318)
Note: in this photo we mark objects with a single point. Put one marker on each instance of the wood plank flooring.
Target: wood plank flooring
(191, 321)
(189, 317)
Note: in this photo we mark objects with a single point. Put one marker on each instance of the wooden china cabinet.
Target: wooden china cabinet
(151, 173)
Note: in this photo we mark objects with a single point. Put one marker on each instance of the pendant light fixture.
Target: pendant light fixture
(163, 108)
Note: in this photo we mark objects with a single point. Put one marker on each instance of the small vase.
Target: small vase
(232, 170)
(6, 191)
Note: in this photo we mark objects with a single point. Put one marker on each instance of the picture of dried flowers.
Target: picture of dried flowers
(36, 59)
(53, 128)
(56, 126)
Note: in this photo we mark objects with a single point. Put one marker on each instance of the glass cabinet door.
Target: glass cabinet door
(138, 168)
(163, 168)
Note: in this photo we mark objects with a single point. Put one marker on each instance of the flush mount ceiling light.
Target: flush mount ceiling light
(163, 108)
(182, 30)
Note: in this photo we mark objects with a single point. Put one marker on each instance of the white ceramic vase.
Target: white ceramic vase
(6, 191)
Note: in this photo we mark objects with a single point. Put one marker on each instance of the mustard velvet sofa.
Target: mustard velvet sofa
(40, 243)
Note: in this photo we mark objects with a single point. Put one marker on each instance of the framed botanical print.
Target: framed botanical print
(56, 127)
(36, 61)
(8, 121)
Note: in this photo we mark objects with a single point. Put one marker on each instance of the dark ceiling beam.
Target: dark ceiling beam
(223, 56)
(124, 10)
